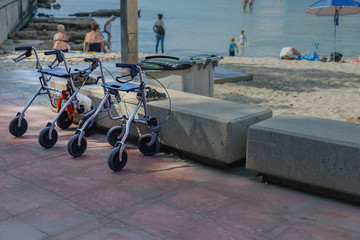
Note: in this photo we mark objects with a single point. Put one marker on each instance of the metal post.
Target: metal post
(129, 31)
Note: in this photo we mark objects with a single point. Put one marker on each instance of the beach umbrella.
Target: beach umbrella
(334, 8)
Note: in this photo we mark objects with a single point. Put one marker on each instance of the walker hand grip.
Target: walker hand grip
(125, 65)
(91, 59)
(52, 52)
(23, 48)
(134, 68)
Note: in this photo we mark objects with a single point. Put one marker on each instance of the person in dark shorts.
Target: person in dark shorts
(93, 41)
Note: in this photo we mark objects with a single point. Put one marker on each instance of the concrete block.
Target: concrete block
(319, 152)
(208, 129)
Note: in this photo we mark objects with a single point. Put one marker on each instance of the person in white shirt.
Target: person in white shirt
(107, 27)
(242, 38)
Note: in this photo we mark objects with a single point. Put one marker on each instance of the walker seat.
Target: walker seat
(126, 87)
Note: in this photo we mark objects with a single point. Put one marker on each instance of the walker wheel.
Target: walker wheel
(15, 130)
(64, 122)
(144, 148)
(88, 130)
(114, 162)
(114, 134)
(73, 148)
(44, 138)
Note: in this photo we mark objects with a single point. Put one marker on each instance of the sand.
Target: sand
(326, 90)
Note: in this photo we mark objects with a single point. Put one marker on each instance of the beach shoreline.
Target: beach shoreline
(325, 90)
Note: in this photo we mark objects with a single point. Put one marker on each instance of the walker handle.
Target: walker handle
(24, 48)
(24, 55)
(134, 68)
(52, 52)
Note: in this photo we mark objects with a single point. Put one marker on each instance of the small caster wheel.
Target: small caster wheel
(88, 130)
(73, 148)
(15, 130)
(114, 134)
(144, 148)
(114, 162)
(44, 138)
(64, 122)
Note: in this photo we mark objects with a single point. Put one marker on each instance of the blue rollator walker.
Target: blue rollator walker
(148, 144)
(48, 136)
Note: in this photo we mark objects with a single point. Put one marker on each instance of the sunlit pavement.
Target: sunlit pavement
(48, 194)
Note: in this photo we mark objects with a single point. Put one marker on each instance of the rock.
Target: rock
(41, 26)
(80, 23)
(99, 13)
(51, 1)
(43, 15)
(56, 6)
(44, 5)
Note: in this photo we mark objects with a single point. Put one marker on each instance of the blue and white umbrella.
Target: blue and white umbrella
(334, 8)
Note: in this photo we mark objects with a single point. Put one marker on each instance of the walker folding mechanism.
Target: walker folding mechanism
(48, 136)
(148, 144)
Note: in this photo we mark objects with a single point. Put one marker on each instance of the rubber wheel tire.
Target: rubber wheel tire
(88, 130)
(148, 150)
(114, 161)
(113, 134)
(64, 122)
(15, 130)
(73, 148)
(44, 138)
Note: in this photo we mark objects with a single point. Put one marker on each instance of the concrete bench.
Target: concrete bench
(205, 128)
(318, 152)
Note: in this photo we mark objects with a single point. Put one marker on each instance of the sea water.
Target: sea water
(206, 26)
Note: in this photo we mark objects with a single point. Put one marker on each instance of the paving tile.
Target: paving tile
(57, 217)
(115, 230)
(14, 229)
(252, 217)
(71, 184)
(4, 215)
(40, 170)
(25, 198)
(12, 157)
(107, 199)
(291, 200)
(9, 183)
(198, 200)
(302, 231)
(85, 228)
(212, 230)
(148, 185)
(161, 219)
(340, 215)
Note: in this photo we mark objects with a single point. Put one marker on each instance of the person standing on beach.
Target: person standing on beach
(61, 39)
(242, 38)
(159, 29)
(233, 47)
(107, 27)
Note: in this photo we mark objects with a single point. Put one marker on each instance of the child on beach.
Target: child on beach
(233, 47)
(242, 38)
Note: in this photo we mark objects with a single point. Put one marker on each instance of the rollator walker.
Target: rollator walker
(48, 136)
(148, 144)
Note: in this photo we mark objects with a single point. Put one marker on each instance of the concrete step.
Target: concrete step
(319, 152)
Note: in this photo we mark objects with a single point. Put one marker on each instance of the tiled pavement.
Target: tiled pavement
(47, 194)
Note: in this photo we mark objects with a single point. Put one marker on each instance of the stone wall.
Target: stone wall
(13, 13)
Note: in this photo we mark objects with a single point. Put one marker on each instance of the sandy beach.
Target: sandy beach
(326, 90)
